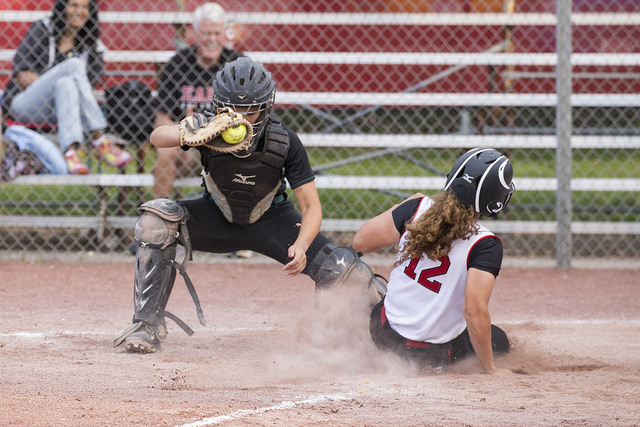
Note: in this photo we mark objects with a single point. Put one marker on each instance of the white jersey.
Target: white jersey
(424, 298)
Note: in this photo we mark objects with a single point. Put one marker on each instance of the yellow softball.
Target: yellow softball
(234, 134)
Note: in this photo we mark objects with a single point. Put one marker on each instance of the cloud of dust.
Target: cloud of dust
(529, 357)
(333, 337)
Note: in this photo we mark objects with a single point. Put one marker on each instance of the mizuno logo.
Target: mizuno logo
(341, 262)
(242, 179)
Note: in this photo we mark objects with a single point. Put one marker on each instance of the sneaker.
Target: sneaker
(141, 342)
(74, 163)
(112, 155)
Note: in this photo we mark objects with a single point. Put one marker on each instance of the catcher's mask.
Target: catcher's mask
(482, 178)
(247, 87)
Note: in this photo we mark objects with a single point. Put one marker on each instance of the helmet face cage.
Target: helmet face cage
(246, 87)
(249, 109)
(482, 179)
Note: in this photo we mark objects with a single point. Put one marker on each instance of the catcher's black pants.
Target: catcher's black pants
(426, 354)
(271, 235)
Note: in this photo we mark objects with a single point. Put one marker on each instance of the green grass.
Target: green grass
(526, 163)
(362, 204)
(525, 205)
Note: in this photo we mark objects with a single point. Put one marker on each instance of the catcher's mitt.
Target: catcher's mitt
(199, 129)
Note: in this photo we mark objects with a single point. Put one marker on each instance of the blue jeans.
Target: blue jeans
(62, 95)
(48, 152)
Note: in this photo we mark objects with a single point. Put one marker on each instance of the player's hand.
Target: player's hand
(502, 371)
(298, 261)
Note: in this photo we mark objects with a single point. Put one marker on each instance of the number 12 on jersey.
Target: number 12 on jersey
(426, 275)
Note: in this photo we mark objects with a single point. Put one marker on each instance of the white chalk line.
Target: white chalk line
(40, 335)
(278, 407)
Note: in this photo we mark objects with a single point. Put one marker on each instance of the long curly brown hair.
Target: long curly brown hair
(433, 233)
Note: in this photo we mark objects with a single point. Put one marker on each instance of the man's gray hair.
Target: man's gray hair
(210, 11)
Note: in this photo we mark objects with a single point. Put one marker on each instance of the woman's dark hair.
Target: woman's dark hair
(87, 35)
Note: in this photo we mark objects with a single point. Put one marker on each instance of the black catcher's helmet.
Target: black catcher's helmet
(245, 84)
(482, 178)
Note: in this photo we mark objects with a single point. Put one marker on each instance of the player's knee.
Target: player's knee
(336, 265)
(332, 264)
(499, 341)
(159, 223)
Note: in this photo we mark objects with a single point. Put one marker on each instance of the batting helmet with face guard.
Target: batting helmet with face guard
(245, 86)
(483, 179)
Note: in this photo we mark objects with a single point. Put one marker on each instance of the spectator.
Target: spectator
(185, 88)
(436, 309)
(55, 69)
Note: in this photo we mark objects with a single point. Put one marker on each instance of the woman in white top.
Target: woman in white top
(436, 307)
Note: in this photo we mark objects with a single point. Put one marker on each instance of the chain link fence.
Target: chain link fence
(385, 95)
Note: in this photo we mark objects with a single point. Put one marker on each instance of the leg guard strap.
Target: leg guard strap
(124, 334)
(179, 322)
(192, 291)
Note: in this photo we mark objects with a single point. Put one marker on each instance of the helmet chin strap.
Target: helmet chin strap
(242, 154)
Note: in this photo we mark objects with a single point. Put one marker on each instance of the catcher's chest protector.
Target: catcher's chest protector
(243, 189)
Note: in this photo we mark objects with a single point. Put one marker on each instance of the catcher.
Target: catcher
(244, 206)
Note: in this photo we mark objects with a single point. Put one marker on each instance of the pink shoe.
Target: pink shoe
(74, 163)
(112, 155)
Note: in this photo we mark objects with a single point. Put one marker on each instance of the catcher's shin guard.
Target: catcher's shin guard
(153, 282)
(336, 265)
(158, 230)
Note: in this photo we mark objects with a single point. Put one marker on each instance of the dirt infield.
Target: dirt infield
(275, 353)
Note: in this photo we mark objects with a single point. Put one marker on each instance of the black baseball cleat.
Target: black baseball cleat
(141, 342)
(141, 338)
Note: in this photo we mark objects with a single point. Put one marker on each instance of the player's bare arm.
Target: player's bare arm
(379, 232)
(311, 210)
(478, 290)
(376, 233)
(165, 136)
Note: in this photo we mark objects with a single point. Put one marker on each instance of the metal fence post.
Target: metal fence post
(563, 134)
